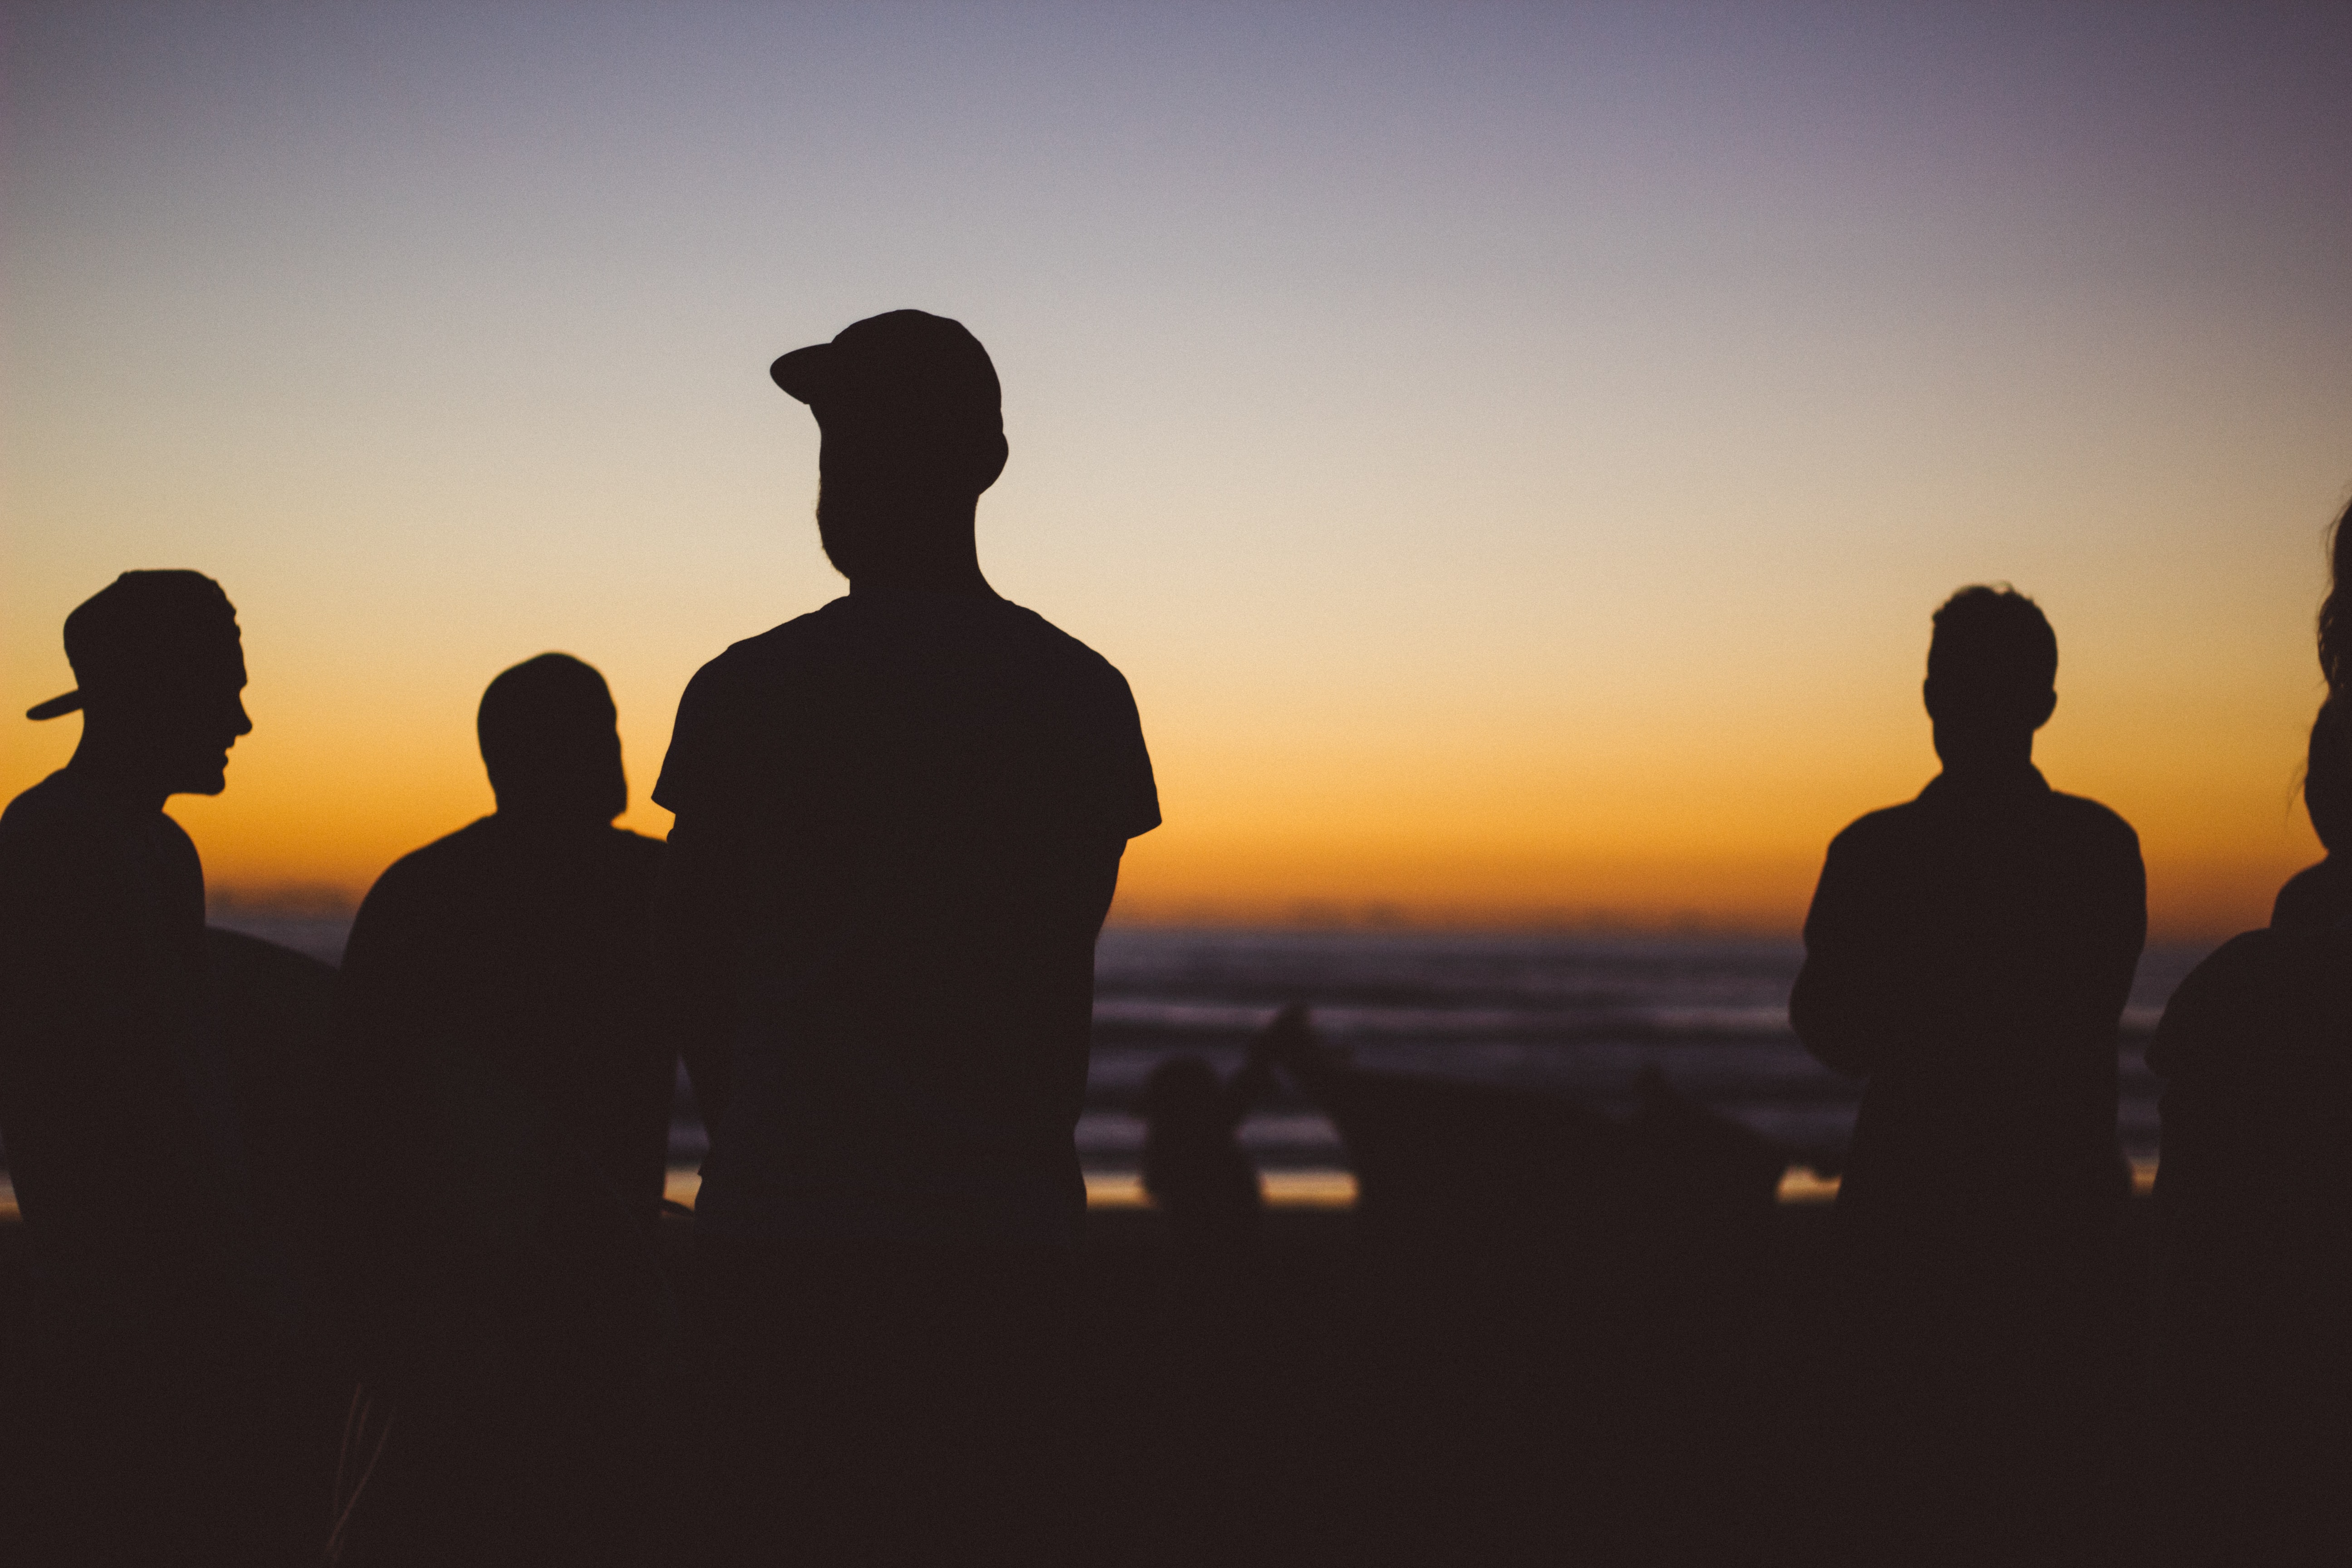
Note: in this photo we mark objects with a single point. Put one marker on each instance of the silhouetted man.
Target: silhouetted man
(508, 1095)
(1970, 954)
(163, 1310)
(899, 823)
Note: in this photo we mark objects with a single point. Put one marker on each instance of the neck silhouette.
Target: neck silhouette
(894, 514)
(1984, 738)
(934, 554)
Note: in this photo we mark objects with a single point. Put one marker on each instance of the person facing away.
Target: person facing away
(1968, 955)
(163, 1305)
(900, 821)
(506, 1097)
(2253, 1203)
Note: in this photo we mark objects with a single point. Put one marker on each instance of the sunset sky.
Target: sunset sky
(1513, 452)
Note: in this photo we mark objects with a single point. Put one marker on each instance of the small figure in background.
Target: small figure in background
(1194, 1168)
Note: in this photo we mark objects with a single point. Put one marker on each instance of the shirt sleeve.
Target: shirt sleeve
(1134, 794)
(685, 786)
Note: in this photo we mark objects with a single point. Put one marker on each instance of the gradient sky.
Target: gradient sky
(1512, 452)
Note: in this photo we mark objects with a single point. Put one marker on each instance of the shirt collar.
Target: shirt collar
(2022, 784)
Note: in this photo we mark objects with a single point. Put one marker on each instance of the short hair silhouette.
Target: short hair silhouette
(548, 740)
(1992, 647)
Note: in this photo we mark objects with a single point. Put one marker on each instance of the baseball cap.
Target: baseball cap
(904, 368)
(143, 629)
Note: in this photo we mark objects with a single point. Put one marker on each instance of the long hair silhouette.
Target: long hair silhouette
(2336, 612)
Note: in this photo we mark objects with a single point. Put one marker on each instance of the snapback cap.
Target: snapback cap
(145, 629)
(906, 368)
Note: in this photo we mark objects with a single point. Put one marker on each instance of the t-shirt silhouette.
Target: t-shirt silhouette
(2254, 1204)
(902, 815)
(1982, 939)
(508, 957)
(115, 1099)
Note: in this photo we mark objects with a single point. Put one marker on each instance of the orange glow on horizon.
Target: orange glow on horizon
(319, 803)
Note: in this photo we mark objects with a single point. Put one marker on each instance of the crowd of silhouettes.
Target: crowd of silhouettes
(868, 940)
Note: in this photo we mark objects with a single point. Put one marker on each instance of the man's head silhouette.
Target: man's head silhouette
(1992, 668)
(548, 740)
(160, 670)
(913, 432)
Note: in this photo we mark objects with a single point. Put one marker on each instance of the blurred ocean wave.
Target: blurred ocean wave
(1576, 1016)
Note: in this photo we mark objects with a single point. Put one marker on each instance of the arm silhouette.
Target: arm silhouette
(693, 972)
(1849, 1000)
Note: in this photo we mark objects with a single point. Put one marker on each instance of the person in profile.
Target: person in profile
(899, 822)
(165, 1316)
(2253, 1201)
(506, 1115)
(1968, 955)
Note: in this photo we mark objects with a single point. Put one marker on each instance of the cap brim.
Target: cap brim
(56, 706)
(804, 372)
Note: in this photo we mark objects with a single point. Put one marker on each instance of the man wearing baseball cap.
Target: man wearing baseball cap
(899, 825)
(161, 1312)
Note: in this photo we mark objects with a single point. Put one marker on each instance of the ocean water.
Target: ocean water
(1576, 1016)
(1572, 1015)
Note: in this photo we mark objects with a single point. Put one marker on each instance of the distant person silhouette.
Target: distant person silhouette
(166, 1317)
(509, 1098)
(900, 821)
(1455, 1166)
(1968, 955)
(1194, 1169)
(2253, 1199)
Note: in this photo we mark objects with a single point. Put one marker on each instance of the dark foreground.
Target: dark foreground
(1331, 1411)
(1326, 1398)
